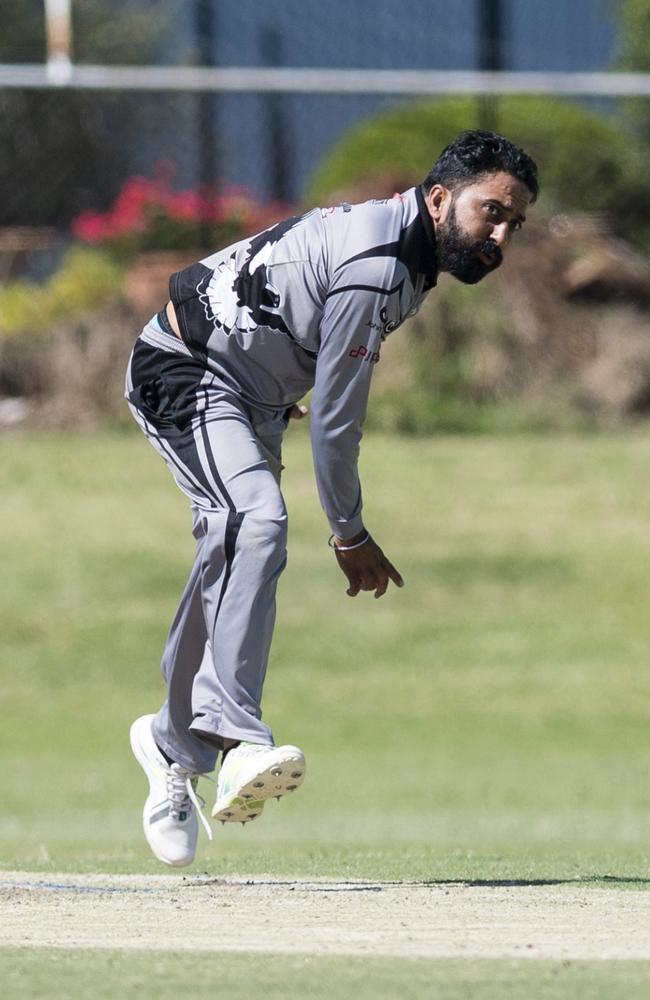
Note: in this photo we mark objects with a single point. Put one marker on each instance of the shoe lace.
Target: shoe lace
(181, 790)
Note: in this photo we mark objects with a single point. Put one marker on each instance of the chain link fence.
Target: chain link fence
(65, 150)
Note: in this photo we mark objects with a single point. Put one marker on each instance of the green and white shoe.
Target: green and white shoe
(253, 773)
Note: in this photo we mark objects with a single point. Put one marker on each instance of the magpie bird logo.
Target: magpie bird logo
(242, 300)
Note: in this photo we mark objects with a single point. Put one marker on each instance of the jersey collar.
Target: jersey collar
(428, 256)
(417, 249)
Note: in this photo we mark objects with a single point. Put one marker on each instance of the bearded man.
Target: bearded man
(213, 380)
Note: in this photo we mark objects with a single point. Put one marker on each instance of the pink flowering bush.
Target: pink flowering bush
(148, 214)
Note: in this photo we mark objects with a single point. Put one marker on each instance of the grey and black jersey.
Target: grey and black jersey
(306, 304)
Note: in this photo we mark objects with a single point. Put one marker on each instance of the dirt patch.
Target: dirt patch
(358, 918)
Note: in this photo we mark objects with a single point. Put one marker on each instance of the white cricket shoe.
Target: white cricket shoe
(169, 818)
(252, 773)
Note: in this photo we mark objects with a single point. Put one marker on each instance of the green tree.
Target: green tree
(634, 21)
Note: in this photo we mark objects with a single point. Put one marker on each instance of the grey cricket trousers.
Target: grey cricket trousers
(226, 459)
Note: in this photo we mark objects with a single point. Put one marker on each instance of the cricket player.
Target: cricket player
(212, 382)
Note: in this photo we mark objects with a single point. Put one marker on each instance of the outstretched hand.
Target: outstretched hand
(365, 567)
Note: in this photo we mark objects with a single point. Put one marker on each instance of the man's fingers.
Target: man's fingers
(393, 574)
(367, 569)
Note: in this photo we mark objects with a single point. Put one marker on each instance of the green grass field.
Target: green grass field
(488, 722)
(106, 975)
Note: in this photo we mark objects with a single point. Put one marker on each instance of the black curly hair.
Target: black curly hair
(476, 153)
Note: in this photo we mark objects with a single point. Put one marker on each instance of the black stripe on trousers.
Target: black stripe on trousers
(210, 456)
(234, 519)
(233, 524)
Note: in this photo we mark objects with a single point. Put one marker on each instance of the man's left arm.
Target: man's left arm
(349, 350)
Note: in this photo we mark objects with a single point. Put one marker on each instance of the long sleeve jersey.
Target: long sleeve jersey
(306, 304)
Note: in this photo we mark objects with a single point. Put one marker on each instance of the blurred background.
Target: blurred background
(135, 137)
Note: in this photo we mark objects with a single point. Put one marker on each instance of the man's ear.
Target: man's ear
(438, 201)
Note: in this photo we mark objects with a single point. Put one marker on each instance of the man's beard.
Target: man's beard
(460, 257)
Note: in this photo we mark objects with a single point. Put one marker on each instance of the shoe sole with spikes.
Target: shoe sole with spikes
(266, 775)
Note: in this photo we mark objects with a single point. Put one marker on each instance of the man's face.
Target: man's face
(474, 224)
